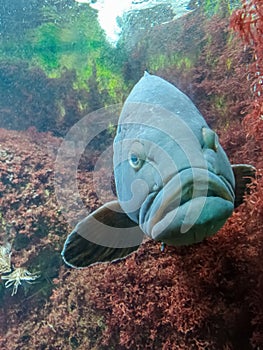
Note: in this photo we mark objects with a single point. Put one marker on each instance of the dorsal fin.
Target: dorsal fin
(107, 234)
(244, 173)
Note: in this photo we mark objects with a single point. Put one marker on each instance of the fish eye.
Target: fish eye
(135, 161)
(136, 155)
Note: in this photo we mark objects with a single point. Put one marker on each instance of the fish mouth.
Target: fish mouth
(192, 205)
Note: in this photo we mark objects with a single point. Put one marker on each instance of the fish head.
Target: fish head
(172, 176)
(173, 180)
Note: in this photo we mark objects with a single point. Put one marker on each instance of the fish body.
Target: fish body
(173, 179)
(183, 184)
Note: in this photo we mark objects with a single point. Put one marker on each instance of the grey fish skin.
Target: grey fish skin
(185, 183)
(173, 179)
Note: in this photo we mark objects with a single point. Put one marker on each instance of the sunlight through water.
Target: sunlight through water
(110, 10)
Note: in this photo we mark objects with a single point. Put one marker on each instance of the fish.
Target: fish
(174, 181)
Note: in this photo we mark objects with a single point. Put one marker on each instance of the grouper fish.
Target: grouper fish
(174, 182)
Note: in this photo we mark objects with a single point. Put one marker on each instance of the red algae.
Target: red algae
(248, 23)
(205, 296)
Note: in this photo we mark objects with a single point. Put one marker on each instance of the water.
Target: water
(66, 68)
(110, 11)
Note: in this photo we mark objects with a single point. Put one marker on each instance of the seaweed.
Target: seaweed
(206, 296)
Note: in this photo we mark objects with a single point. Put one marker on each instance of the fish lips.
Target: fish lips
(192, 205)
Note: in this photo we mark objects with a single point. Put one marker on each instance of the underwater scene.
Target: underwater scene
(131, 174)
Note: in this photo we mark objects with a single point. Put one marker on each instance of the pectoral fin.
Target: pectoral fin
(243, 175)
(107, 234)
